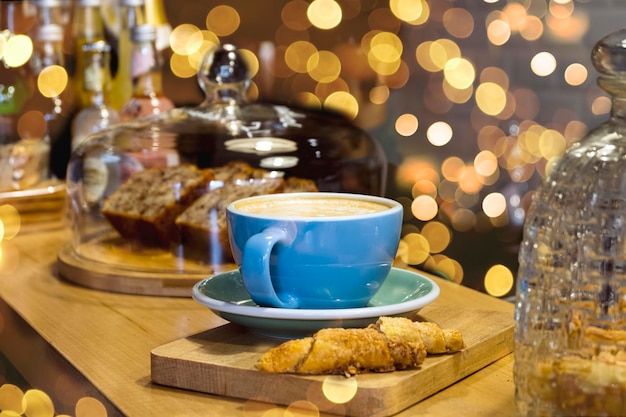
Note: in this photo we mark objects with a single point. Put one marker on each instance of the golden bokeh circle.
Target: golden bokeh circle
(498, 280)
(344, 103)
(438, 236)
(424, 207)
(90, 407)
(52, 81)
(32, 125)
(417, 249)
(12, 399)
(339, 389)
(223, 20)
(10, 220)
(17, 50)
(324, 14)
(39, 404)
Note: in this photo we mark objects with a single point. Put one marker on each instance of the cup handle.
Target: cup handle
(255, 268)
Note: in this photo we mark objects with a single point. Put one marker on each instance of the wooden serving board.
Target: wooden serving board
(221, 361)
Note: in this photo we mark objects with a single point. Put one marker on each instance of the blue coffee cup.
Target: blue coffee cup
(314, 250)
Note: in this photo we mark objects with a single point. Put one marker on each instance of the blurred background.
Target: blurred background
(472, 100)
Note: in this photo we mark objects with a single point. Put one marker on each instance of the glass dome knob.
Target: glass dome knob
(223, 65)
(609, 54)
(609, 58)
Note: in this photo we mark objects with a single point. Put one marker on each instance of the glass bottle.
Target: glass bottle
(131, 14)
(16, 83)
(55, 93)
(47, 47)
(147, 94)
(51, 100)
(87, 27)
(15, 87)
(97, 76)
(155, 15)
(570, 334)
(52, 12)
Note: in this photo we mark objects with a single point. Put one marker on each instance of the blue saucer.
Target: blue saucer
(402, 294)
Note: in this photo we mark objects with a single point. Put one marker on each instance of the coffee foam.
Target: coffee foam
(311, 207)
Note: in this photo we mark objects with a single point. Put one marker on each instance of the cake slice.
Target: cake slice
(299, 185)
(146, 205)
(203, 227)
(236, 172)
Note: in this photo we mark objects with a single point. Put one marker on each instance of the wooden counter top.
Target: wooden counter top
(73, 342)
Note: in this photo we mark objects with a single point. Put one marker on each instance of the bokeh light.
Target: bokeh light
(439, 133)
(424, 208)
(324, 14)
(323, 66)
(437, 235)
(491, 98)
(294, 15)
(499, 280)
(459, 73)
(17, 50)
(494, 204)
(12, 399)
(10, 221)
(498, 32)
(186, 39)
(575, 74)
(458, 22)
(543, 64)
(52, 81)
(342, 102)
(38, 403)
(410, 11)
(223, 20)
(338, 389)
(406, 124)
(416, 249)
(297, 55)
(90, 407)
(32, 125)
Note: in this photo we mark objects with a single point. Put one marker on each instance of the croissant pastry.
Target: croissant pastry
(390, 344)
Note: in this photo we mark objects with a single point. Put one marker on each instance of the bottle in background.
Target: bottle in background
(147, 93)
(96, 78)
(16, 81)
(16, 86)
(53, 12)
(131, 14)
(87, 27)
(156, 16)
(53, 96)
(47, 47)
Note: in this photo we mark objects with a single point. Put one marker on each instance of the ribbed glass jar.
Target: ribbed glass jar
(570, 335)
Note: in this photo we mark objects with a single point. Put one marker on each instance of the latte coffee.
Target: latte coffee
(311, 207)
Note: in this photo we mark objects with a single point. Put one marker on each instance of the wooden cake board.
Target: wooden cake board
(129, 273)
(222, 361)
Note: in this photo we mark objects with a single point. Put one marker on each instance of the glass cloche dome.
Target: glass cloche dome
(147, 197)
